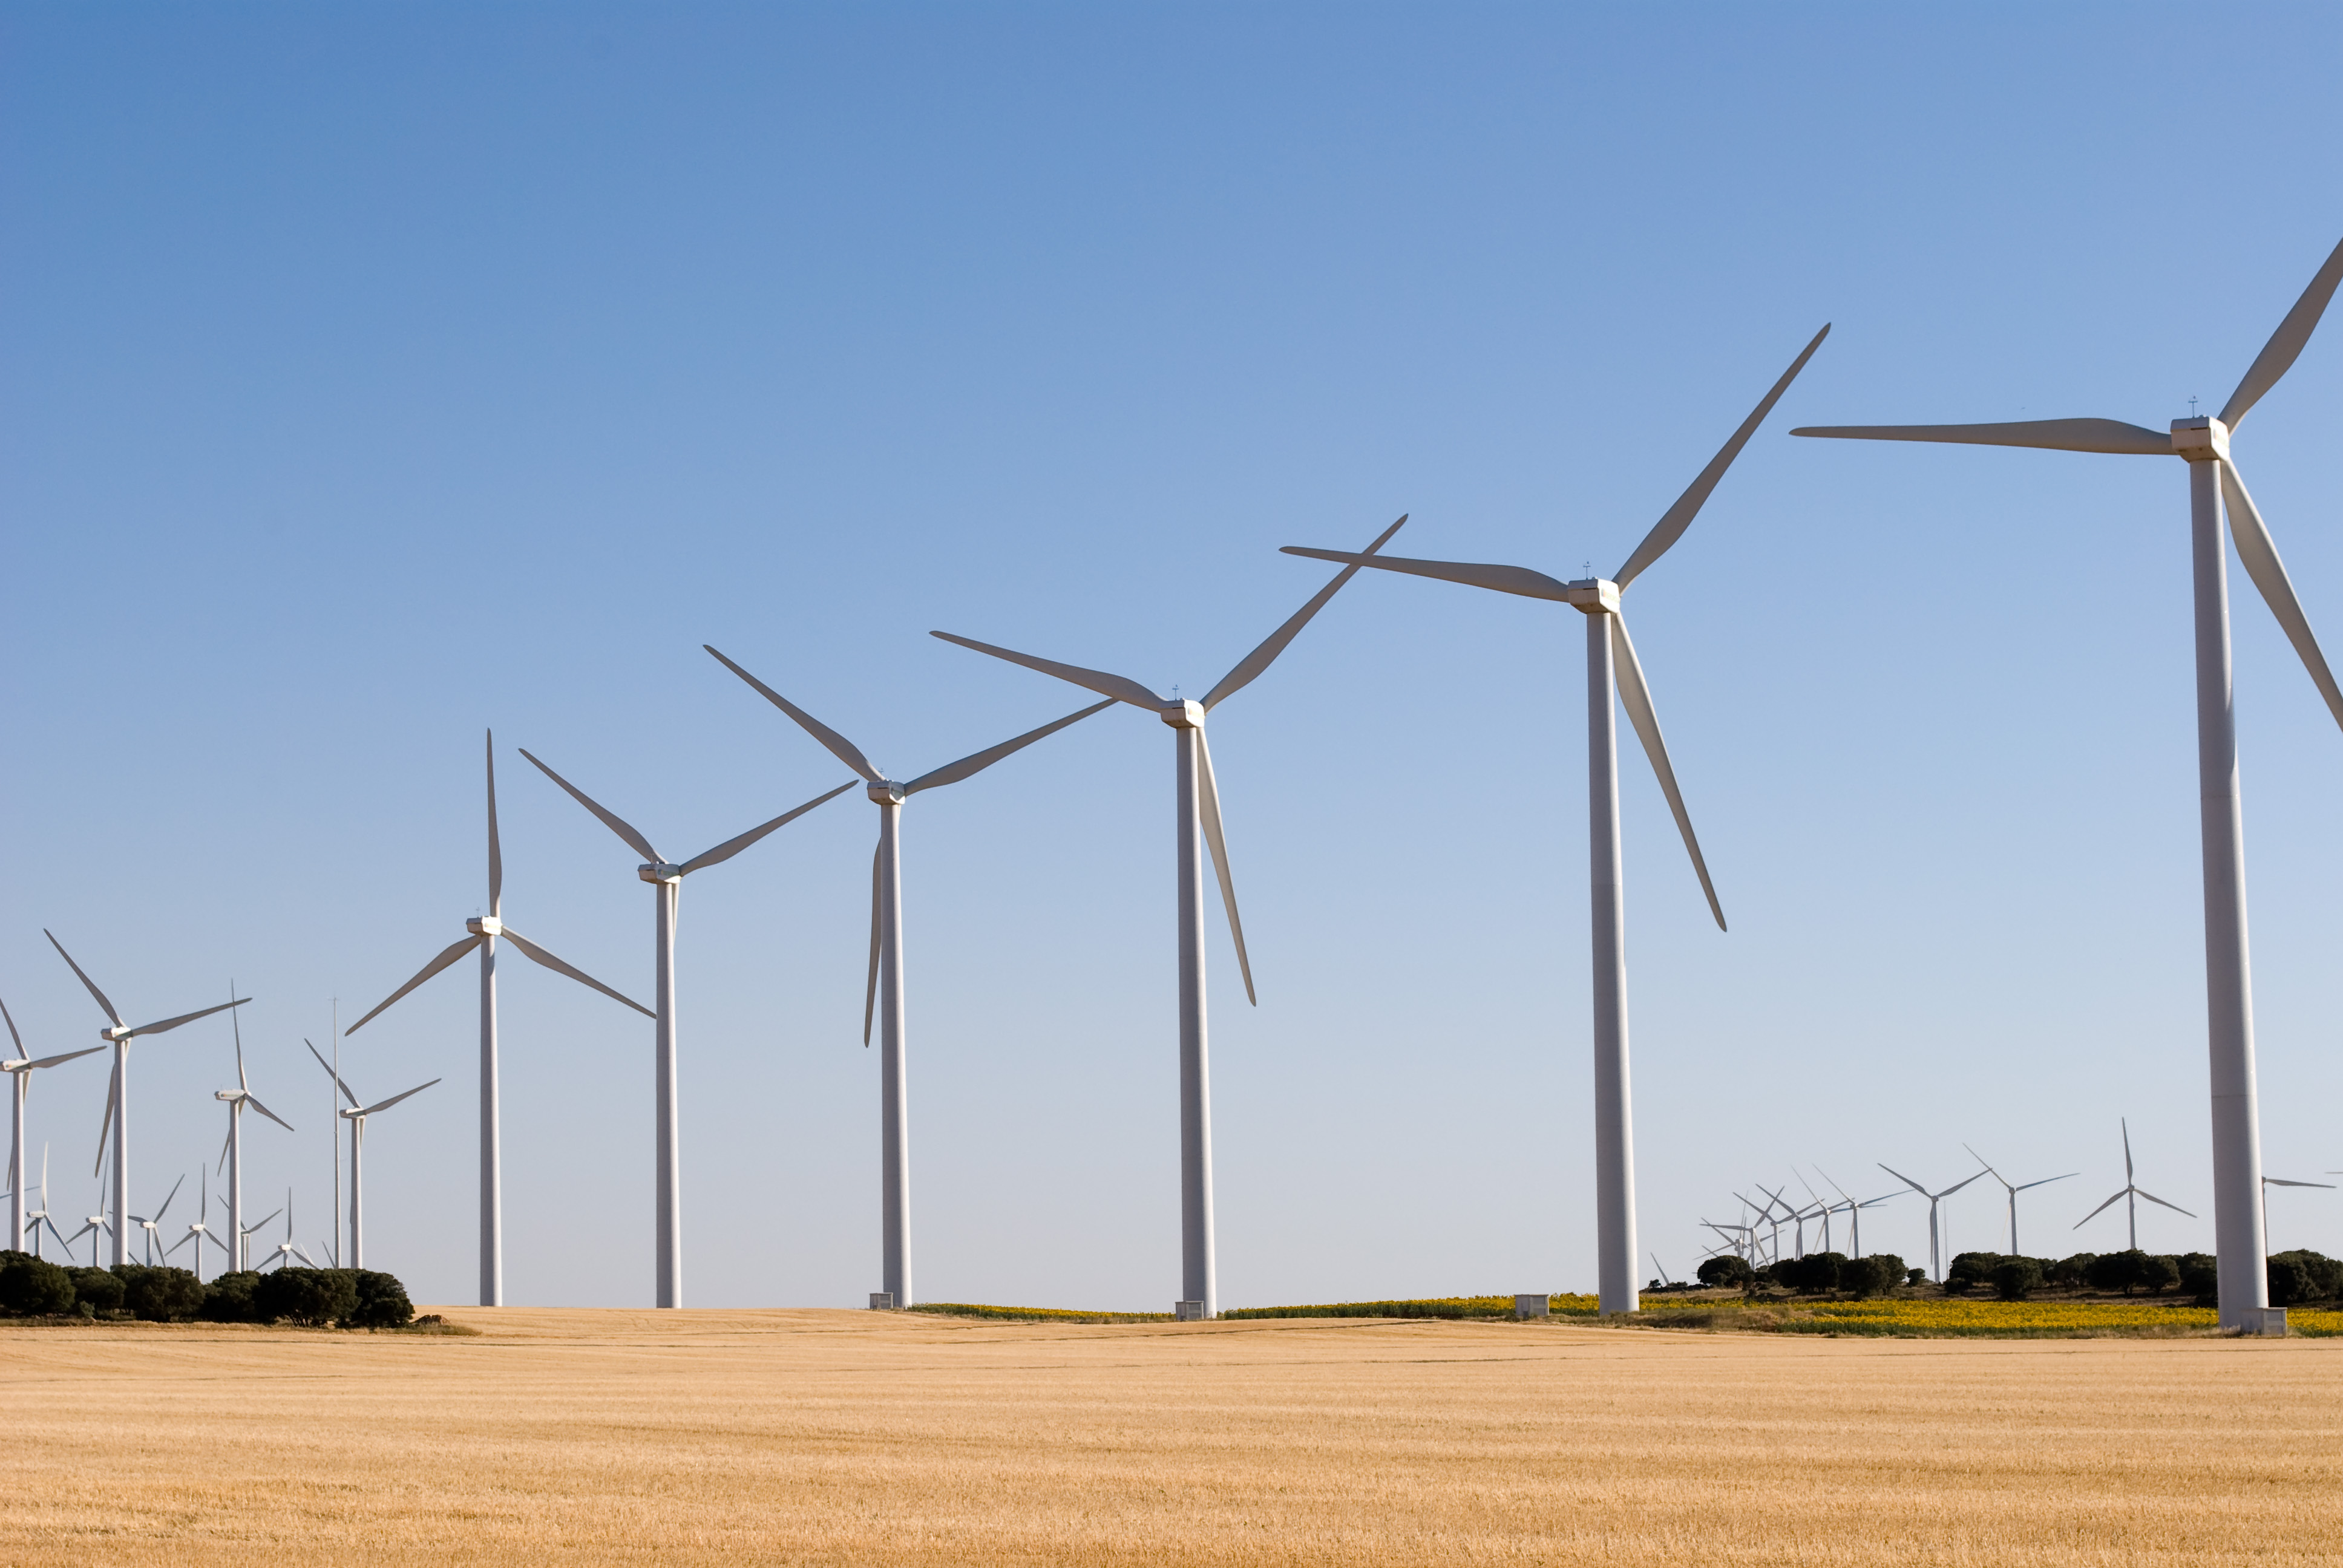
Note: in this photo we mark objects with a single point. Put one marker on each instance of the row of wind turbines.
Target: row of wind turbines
(1612, 665)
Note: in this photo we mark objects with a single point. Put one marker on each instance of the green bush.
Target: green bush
(2200, 1276)
(1915, 1277)
(99, 1290)
(2073, 1272)
(1969, 1270)
(310, 1297)
(1725, 1270)
(1867, 1277)
(2117, 1271)
(34, 1287)
(2300, 1275)
(2015, 1278)
(2158, 1272)
(229, 1298)
(1814, 1275)
(160, 1295)
(382, 1302)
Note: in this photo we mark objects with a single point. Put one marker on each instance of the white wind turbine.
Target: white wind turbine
(1936, 1258)
(117, 1094)
(2269, 1182)
(150, 1226)
(485, 930)
(40, 1217)
(1855, 1210)
(883, 992)
(2014, 1191)
(1611, 660)
(245, 1235)
(2133, 1192)
(199, 1230)
(285, 1251)
(2214, 484)
(232, 1146)
(1198, 815)
(356, 1114)
(20, 1068)
(665, 880)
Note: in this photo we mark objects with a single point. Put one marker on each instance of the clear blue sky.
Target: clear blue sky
(374, 375)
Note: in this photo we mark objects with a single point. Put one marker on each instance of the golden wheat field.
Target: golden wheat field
(836, 1437)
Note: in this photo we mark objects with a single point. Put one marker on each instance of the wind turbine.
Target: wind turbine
(244, 1237)
(41, 1217)
(2014, 1191)
(232, 1150)
(1936, 1260)
(20, 1070)
(485, 930)
(884, 989)
(149, 1226)
(1611, 660)
(356, 1114)
(2214, 484)
(1198, 813)
(1855, 1210)
(117, 1096)
(2133, 1192)
(665, 882)
(199, 1230)
(2269, 1182)
(285, 1251)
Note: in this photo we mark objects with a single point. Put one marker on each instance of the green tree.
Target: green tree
(1969, 1270)
(2200, 1276)
(382, 1302)
(2073, 1273)
(310, 1297)
(229, 1299)
(97, 1289)
(1867, 1277)
(34, 1287)
(2158, 1272)
(2117, 1271)
(1725, 1270)
(2015, 1278)
(161, 1295)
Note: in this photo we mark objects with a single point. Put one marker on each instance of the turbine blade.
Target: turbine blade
(870, 985)
(69, 1056)
(1958, 1185)
(977, 762)
(1988, 1165)
(496, 850)
(347, 1093)
(2277, 355)
(1678, 518)
(113, 1087)
(386, 1104)
(2044, 1183)
(530, 950)
(272, 1116)
(235, 1025)
(2124, 1122)
(167, 1201)
(1119, 687)
(171, 1023)
(2282, 1182)
(447, 955)
(842, 748)
(13, 1035)
(1218, 846)
(91, 984)
(2100, 1210)
(1636, 696)
(634, 840)
(2259, 553)
(2154, 1199)
(1901, 1177)
(1249, 669)
(1472, 574)
(223, 1143)
(732, 847)
(302, 1255)
(2057, 434)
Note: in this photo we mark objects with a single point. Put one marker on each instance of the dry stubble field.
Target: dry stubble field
(837, 1437)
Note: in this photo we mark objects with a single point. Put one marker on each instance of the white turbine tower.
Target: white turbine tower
(232, 1146)
(2269, 1182)
(2133, 1192)
(199, 1230)
(1611, 660)
(2014, 1191)
(285, 1251)
(40, 1217)
(485, 930)
(1936, 1258)
(150, 1226)
(356, 1114)
(1198, 808)
(2214, 484)
(117, 1096)
(665, 880)
(20, 1068)
(883, 992)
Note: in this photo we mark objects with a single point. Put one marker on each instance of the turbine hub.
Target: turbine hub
(114, 1036)
(886, 792)
(659, 871)
(1595, 596)
(1185, 715)
(485, 925)
(2200, 440)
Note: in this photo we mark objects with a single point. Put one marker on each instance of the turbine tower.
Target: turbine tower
(1936, 1258)
(356, 1114)
(665, 882)
(2133, 1192)
(1611, 659)
(485, 930)
(20, 1068)
(883, 992)
(1197, 808)
(232, 1146)
(2014, 1191)
(2214, 484)
(117, 1094)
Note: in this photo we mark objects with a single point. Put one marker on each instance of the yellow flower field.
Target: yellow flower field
(1894, 1315)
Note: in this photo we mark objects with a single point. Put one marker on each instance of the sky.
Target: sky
(375, 376)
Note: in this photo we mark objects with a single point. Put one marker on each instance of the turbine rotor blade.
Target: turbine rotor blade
(272, 1116)
(1901, 1177)
(447, 955)
(1636, 696)
(171, 1023)
(2103, 1209)
(496, 850)
(2277, 356)
(870, 985)
(2282, 1182)
(1249, 669)
(2057, 434)
(2154, 1199)
(2126, 1123)
(348, 1093)
(634, 840)
(1218, 846)
(1473, 574)
(2044, 1183)
(840, 747)
(1958, 1185)
(536, 954)
(732, 847)
(69, 1056)
(113, 1089)
(167, 1201)
(1678, 518)
(386, 1104)
(2259, 553)
(1121, 689)
(977, 762)
(102, 1002)
(13, 1035)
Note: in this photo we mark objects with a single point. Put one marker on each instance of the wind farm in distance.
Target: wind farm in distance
(1831, 1056)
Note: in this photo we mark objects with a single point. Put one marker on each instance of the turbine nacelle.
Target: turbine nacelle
(886, 792)
(2205, 440)
(659, 871)
(1595, 596)
(485, 925)
(1182, 715)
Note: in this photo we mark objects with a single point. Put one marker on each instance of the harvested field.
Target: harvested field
(835, 1437)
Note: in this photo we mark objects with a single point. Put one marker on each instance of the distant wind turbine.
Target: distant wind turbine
(1855, 1210)
(2132, 1192)
(1198, 807)
(149, 1226)
(232, 1146)
(2269, 1182)
(1936, 1258)
(285, 1251)
(20, 1070)
(356, 1114)
(665, 880)
(884, 989)
(2014, 1191)
(199, 1230)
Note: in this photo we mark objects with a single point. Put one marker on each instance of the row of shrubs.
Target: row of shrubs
(2296, 1278)
(1815, 1274)
(32, 1287)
